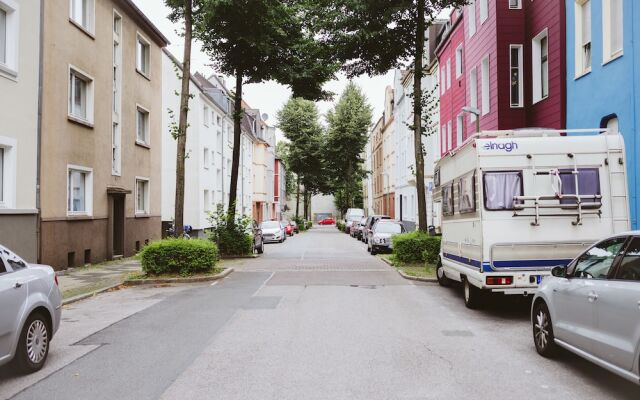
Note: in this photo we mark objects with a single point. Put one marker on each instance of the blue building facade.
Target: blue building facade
(603, 76)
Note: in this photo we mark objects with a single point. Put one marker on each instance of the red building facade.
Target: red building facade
(514, 66)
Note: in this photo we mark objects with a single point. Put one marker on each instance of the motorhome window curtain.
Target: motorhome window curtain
(500, 188)
(588, 183)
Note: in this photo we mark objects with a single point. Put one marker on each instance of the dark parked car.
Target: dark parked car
(371, 220)
(258, 240)
(381, 233)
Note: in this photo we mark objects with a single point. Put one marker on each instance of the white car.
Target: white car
(592, 307)
(30, 308)
(273, 232)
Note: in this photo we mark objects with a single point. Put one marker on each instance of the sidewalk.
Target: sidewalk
(86, 280)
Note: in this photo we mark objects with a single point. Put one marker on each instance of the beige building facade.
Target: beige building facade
(19, 102)
(101, 131)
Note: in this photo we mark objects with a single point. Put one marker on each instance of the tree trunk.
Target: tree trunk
(235, 163)
(304, 203)
(298, 198)
(417, 117)
(182, 123)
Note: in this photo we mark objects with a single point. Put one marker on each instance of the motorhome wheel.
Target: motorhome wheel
(472, 295)
(442, 278)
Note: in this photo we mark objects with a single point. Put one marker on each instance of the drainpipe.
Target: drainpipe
(39, 138)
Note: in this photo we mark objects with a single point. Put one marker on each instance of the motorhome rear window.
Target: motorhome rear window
(447, 199)
(500, 189)
(588, 184)
(467, 194)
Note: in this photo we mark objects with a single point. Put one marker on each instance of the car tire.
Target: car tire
(472, 295)
(440, 275)
(261, 248)
(373, 251)
(543, 330)
(34, 338)
(368, 248)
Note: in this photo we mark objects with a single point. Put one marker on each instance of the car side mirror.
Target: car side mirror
(559, 271)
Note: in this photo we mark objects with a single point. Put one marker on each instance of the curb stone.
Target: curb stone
(136, 282)
(409, 277)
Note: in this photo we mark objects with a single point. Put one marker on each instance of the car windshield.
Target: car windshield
(389, 228)
(270, 225)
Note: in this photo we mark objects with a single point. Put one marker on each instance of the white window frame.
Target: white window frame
(89, 26)
(140, 38)
(459, 61)
(88, 190)
(116, 138)
(473, 90)
(147, 195)
(9, 68)
(520, 101)
(205, 156)
(8, 171)
(449, 74)
(609, 28)
(537, 67)
(205, 115)
(580, 68)
(484, 11)
(486, 85)
(459, 129)
(147, 133)
(471, 10)
(516, 6)
(88, 119)
(449, 136)
(443, 79)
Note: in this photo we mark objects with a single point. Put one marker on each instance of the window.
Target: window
(459, 130)
(3, 268)
(205, 115)
(205, 158)
(467, 194)
(484, 10)
(142, 126)
(3, 36)
(612, 29)
(443, 142)
(207, 201)
(596, 262)
(115, 150)
(82, 13)
(588, 184)
(629, 269)
(515, 4)
(447, 199)
(80, 96)
(471, 9)
(218, 120)
(517, 94)
(79, 196)
(449, 136)
(448, 74)
(540, 70)
(116, 136)
(142, 55)
(583, 36)
(142, 196)
(500, 188)
(1, 175)
(443, 80)
(486, 99)
(473, 91)
(459, 61)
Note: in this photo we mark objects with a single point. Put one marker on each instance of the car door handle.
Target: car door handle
(593, 296)
(18, 285)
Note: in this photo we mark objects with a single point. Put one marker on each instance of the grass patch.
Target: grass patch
(203, 274)
(420, 270)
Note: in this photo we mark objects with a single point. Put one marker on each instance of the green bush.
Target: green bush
(231, 239)
(179, 256)
(309, 224)
(416, 247)
(340, 226)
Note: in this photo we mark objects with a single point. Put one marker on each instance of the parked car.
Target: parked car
(30, 308)
(371, 220)
(327, 221)
(296, 228)
(273, 232)
(288, 228)
(353, 215)
(591, 307)
(360, 228)
(258, 240)
(381, 233)
(355, 227)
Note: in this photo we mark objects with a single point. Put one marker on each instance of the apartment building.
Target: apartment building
(279, 189)
(19, 129)
(101, 146)
(377, 175)
(388, 155)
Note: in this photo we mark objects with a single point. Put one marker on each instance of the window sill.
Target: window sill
(142, 215)
(144, 75)
(80, 121)
(614, 57)
(8, 72)
(143, 144)
(536, 101)
(78, 216)
(83, 29)
(580, 75)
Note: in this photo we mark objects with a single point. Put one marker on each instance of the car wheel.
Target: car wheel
(33, 347)
(440, 275)
(373, 251)
(472, 295)
(261, 248)
(369, 248)
(543, 330)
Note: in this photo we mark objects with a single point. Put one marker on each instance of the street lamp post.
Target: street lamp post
(474, 111)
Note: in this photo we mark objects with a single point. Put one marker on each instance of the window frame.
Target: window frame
(484, 188)
(471, 9)
(570, 270)
(90, 27)
(459, 61)
(567, 171)
(486, 85)
(459, 129)
(205, 115)
(473, 90)
(484, 11)
(520, 68)
(608, 27)
(89, 96)
(518, 5)
(147, 139)
(205, 158)
(448, 73)
(88, 190)
(147, 195)
(9, 67)
(146, 44)
(448, 186)
(538, 86)
(580, 68)
(473, 209)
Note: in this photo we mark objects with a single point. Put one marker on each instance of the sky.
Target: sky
(269, 97)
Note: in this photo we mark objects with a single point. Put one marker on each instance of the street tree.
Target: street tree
(257, 41)
(347, 134)
(374, 36)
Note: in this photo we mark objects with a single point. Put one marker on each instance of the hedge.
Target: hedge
(416, 247)
(179, 256)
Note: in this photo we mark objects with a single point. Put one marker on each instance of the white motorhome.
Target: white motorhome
(517, 203)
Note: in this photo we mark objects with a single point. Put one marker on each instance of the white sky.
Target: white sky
(268, 97)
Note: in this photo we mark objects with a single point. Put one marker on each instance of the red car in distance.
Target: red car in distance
(288, 228)
(327, 221)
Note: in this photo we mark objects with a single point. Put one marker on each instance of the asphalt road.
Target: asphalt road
(314, 318)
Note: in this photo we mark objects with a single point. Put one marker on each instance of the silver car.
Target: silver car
(381, 233)
(30, 307)
(273, 232)
(592, 307)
